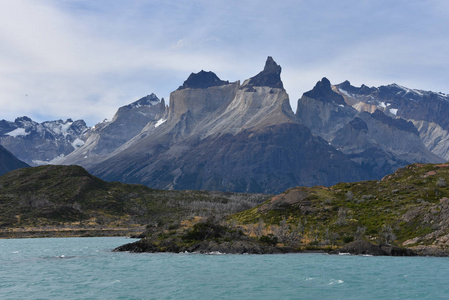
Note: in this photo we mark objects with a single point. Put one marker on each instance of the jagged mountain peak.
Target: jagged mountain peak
(271, 66)
(346, 87)
(22, 120)
(53, 139)
(145, 101)
(202, 80)
(395, 91)
(323, 92)
(270, 76)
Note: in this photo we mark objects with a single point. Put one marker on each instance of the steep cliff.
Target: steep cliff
(107, 136)
(232, 137)
(427, 110)
(367, 132)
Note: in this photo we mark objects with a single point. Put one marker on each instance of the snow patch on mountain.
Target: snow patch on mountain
(59, 127)
(77, 143)
(54, 161)
(18, 132)
(345, 92)
(160, 122)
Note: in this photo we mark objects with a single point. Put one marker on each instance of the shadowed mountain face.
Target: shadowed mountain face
(427, 110)
(371, 137)
(230, 137)
(270, 76)
(8, 162)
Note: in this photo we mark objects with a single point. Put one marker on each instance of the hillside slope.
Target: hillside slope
(8, 162)
(69, 198)
(408, 208)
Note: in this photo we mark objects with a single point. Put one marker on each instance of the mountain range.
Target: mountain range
(244, 137)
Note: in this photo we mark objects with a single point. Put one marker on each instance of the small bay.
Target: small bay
(86, 268)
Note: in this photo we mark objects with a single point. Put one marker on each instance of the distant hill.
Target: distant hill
(9, 162)
(69, 199)
(409, 208)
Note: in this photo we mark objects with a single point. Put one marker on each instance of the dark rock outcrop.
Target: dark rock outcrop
(204, 237)
(361, 247)
(205, 247)
(270, 76)
(324, 93)
(323, 110)
(202, 80)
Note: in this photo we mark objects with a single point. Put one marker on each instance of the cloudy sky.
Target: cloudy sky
(82, 59)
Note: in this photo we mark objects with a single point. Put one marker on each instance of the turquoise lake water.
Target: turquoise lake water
(85, 268)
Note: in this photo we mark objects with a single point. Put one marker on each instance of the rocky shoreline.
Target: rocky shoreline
(247, 245)
(204, 247)
(361, 247)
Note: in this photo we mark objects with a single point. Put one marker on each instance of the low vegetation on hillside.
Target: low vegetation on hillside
(68, 198)
(408, 208)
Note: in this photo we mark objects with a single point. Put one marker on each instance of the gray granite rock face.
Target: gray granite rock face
(42, 143)
(427, 110)
(377, 141)
(106, 137)
(230, 137)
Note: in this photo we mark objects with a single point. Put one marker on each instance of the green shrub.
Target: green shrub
(348, 239)
(269, 239)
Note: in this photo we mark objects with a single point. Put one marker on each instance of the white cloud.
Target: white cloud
(84, 59)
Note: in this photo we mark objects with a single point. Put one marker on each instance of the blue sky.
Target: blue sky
(83, 59)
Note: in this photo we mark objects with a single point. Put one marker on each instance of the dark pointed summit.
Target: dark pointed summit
(145, 101)
(270, 76)
(323, 92)
(202, 80)
(363, 90)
